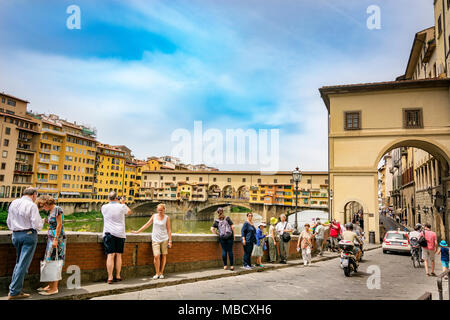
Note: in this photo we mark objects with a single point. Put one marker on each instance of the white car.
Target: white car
(396, 241)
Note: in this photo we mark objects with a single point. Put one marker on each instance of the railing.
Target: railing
(439, 284)
(425, 296)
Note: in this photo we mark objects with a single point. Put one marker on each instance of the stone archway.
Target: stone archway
(366, 121)
(214, 192)
(228, 192)
(243, 193)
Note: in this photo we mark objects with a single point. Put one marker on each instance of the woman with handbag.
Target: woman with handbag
(258, 249)
(248, 235)
(55, 251)
(305, 243)
(283, 230)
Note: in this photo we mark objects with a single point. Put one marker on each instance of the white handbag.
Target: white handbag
(51, 270)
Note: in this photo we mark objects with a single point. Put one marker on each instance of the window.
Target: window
(259, 180)
(352, 120)
(439, 26)
(229, 179)
(13, 103)
(7, 130)
(308, 181)
(6, 143)
(275, 180)
(412, 118)
(200, 179)
(243, 179)
(3, 165)
(2, 177)
(5, 154)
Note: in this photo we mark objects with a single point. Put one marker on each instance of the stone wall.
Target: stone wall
(189, 252)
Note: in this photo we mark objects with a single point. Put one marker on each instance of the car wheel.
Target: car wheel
(385, 251)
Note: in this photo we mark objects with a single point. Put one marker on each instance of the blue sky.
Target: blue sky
(138, 70)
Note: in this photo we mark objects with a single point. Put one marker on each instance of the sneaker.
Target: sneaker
(161, 276)
(247, 268)
(155, 277)
(21, 295)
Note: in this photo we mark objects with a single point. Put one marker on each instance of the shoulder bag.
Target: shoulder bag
(286, 237)
(51, 269)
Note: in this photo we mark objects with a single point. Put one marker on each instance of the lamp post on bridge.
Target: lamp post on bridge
(297, 176)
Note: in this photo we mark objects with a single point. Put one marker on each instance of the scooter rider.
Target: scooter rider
(349, 235)
(416, 236)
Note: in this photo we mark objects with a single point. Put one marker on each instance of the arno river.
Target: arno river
(179, 225)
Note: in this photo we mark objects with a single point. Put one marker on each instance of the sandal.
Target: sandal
(225, 268)
(110, 281)
(433, 274)
(43, 289)
(232, 268)
(117, 279)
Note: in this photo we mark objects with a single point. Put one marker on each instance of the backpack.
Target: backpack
(225, 231)
(422, 241)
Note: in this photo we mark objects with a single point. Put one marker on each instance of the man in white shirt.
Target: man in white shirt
(24, 221)
(319, 234)
(114, 233)
(282, 227)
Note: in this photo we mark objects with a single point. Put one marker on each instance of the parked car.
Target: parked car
(397, 241)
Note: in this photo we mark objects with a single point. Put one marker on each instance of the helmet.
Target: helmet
(418, 226)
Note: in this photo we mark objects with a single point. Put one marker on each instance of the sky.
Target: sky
(141, 71)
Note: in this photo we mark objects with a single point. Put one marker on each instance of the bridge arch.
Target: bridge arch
(229, 192)
(214, 191)
(243, 193)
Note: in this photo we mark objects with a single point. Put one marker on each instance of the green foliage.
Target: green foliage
(3, 216)
(90, 215)
(240, 209)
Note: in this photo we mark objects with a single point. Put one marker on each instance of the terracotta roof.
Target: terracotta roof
(378, 86)
(13, 97)
(258, 173)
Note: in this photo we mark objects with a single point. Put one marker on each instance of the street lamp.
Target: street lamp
(297, 176)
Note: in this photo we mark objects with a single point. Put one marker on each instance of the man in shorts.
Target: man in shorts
(114, 236)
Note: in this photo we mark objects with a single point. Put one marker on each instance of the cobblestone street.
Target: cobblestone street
(322, 280)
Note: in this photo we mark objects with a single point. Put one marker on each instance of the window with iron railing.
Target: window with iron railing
(412, 118)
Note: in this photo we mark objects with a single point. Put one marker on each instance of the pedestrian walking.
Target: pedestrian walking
(319, 236)
(224, 228)
(114, 234)
(24, 221)
(428, 252)
(248, 235)
(335, 231)
(305, 244)
(56, 238)
(443, 251)
(283, 230)
(258, 249)
(161, 239)
(272, 240)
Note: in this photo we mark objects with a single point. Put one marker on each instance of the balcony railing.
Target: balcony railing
(44, 160)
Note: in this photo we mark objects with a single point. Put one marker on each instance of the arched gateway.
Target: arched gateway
(368, 120)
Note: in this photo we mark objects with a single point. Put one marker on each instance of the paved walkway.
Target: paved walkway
(323, 280)
(92, 290)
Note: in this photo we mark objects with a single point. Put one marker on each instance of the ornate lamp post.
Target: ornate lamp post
(297, 176)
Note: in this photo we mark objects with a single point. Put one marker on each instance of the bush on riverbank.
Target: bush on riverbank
(3, 216)
(239, 209)
(90, 215)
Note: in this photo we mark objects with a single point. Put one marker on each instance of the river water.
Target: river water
(179, 225)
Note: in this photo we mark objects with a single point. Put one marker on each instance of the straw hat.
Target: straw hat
(273, 220)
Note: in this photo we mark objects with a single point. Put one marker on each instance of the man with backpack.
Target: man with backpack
(429, 245)
(224, 228)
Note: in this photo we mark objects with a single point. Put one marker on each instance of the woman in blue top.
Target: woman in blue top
(248, 235)
(56, 238)
(258, 250)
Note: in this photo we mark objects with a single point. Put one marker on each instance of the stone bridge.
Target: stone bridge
(205, 210)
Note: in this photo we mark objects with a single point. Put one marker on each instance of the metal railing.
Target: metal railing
(425, 296)
(439, 284)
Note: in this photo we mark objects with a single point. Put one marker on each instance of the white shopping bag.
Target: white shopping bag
(51, 270)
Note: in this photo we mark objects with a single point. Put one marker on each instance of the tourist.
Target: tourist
(272, 240)
(305, 244)
(224, 228)
(114, 234)
(443, 251)
(248, 235)
(258, 249)
(429, 251)
(161, 239)
(283, 229)
(24, 221)
(335, 231)
(319, 235)
(56, 238)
